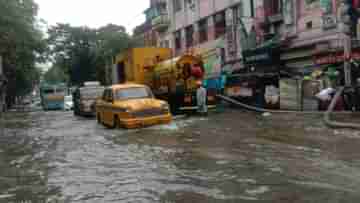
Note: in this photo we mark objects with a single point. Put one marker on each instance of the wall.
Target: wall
(314, 13)
(207, 8)
(309, 13)
(136, 60)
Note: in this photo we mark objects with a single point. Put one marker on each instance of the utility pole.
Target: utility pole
(346, 30)
(345, 25)
(1, 87)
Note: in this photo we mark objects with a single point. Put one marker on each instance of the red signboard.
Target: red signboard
(335, 58)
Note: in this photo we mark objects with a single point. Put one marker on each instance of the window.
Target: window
(167, 44)
(203, 31)
(177, 5)
(190, 4)
(111, 96)
(133, 93)
(189, 36)
(68, 99)
(220, 24)
(178, 40)
(91, 93)
(49, 91)
(276, 6)
(106, 94)
(162, 8)
(309, 25)
(315, 4)
(245, 9)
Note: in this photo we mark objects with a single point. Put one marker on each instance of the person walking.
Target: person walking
(201, 96)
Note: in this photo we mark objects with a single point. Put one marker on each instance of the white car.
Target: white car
(68, 103)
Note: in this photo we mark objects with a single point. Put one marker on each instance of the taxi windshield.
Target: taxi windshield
(133, 93)
(91, 93)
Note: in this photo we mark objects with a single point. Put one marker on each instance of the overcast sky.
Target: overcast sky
(93, 13)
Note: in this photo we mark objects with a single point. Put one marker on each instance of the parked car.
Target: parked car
(84, 98)
(68, 103)
(131, 106)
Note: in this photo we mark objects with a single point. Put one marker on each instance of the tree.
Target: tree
(111, 40)
(21, 45)
(83, 52)
(55, 75)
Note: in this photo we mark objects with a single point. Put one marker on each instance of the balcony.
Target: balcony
(143, 28)
(161, 22)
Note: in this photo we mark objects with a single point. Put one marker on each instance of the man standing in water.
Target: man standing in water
(201, 96)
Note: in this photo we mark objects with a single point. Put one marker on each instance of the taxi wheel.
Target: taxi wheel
(117, 122)
(98, 119)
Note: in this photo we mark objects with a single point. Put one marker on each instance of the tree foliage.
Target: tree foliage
(55, 75)
(83, 52)
(21, 45)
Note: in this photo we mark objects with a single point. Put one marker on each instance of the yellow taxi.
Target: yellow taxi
(131, 106)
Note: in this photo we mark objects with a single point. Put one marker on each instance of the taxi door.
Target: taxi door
(102, 106)
(108, 106)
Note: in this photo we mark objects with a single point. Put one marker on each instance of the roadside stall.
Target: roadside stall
(258, 82)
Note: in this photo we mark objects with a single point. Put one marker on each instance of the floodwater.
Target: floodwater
(228, 157)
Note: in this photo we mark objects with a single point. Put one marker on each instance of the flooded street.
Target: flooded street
(229, 157)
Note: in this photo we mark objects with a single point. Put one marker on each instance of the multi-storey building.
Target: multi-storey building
(294, 36)
(304, 28)
(214, 28)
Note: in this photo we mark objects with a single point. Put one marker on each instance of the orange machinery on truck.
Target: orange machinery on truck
(171, 79)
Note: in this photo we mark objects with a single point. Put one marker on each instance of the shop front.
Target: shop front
(334, 62)
(258, 82)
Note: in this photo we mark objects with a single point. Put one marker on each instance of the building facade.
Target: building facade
(265, 38)
(218, 30)
(221, 30)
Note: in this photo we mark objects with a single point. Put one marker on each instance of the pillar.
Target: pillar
(211, 28)
(230, 35)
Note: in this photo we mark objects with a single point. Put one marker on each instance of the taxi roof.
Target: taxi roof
(126, 85)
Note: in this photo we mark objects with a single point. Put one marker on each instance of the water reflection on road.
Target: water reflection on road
(229, 157)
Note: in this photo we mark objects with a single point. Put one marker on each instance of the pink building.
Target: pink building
(304, 29)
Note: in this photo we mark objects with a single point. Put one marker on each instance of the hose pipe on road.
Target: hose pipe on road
(327, 120)
(335, 124)
(253, 108)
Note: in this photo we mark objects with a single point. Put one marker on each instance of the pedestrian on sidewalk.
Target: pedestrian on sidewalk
(201, 96)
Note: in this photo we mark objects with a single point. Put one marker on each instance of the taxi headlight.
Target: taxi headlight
(165, 107)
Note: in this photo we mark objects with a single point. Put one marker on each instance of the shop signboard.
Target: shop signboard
(239, 91)
(261, 56)
(335, 58)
